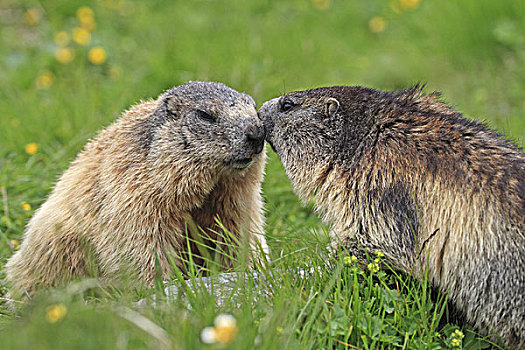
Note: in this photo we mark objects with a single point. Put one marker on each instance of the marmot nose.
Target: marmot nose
(255, 132)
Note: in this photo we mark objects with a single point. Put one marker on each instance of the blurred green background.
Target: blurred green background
(68, 68)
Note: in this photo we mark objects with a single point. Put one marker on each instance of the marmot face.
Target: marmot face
(307, 129)
(211, 120)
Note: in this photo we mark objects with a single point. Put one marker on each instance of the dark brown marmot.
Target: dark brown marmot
(191, 157)
(405, 174)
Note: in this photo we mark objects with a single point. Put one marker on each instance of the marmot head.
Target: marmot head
(313, 130)
(208, 121)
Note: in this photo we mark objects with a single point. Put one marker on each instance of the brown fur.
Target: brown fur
(183, 159)
(404, 173)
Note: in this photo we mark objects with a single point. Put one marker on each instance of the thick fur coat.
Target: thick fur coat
(406, 174)
(191, 158)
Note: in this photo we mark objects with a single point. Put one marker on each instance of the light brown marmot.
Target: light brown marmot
(405, 174)
(192, 157)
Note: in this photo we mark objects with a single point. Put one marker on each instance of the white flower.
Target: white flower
(208, 335)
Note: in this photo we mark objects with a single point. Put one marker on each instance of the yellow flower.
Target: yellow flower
(32, 17)
(64, 55)
(224, 331)
(31, 148)
(455, 342)
(113, 4)
(409, 4)
(322, 5)
(86, 17)
(44, 81)
(26, 206)
(349, 260)
(97, 55)
(85, 13)
(61, 39)
(455, 338)
(458, 334)
(15, 243)
(394, 5)
(81, 36)
(55, 313)
(380, 254)
(373, 267)
(377, 24)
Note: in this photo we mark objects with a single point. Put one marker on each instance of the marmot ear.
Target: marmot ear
(168, 106)
(250, 100)
(332, 106)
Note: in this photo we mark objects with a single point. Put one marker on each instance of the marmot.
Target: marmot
(405, 174)
(193, 157)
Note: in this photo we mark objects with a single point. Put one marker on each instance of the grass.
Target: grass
(473, 51)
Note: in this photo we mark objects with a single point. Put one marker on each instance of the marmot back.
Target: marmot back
(404, 173)
(190, 158)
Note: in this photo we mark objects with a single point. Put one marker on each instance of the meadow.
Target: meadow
(69, 68)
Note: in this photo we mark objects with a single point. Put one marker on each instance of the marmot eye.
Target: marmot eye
(205, 116)
(286, 106)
